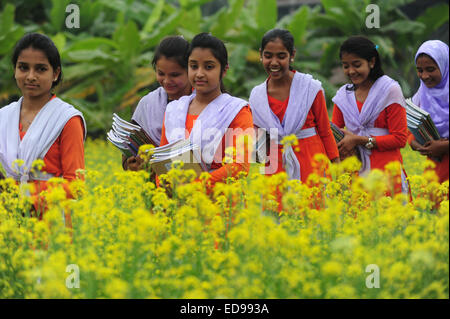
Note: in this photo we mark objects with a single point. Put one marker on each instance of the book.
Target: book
(339, 135)
(420, 124)
(127, 137)
(183, 150)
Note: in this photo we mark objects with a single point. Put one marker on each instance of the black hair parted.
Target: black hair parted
(284, 35)
(366, 49)
(43, 43)
(206, 40)
(172, 47)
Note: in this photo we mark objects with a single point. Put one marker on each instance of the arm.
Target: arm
(319, 109)
(72, 148)
(398, 129)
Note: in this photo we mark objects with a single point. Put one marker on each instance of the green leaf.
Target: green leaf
(82, 70)
(60, 41)
(154, 17)
(225, 18)
(165, 28)
(299, 23)
(434, 17)
(266, 14)
(58, 13)
(404, 27)
(128, 40)
(90, 55)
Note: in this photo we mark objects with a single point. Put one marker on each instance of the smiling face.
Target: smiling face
(276, 58)
(34, 74)
(172, 77)
(356, 68)
(204, 72)
(428, 71)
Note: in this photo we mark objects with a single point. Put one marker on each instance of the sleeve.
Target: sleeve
(319, 109)
(337, 117)
(164, 140)
(242, 142)
(72, 148)
(398, 129)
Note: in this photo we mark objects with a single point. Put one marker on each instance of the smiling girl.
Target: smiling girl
(291, 102)
(372, 109)
(432, 96)
(171, 73)
(209, 117)
(40, 125)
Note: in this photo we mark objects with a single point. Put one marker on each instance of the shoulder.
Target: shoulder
(150, 98)
(260, 89)
(243, 119)
(10, 107)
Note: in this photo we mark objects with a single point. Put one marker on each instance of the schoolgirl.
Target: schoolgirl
(171, 73)
(290, 102)
(40, 125)
(372, 108)
(432, 68)
(209, 116)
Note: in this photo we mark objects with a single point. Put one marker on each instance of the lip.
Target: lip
(200, 82)
(31, 86)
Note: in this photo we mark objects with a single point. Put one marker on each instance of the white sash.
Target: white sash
(302, 94)
(42, 133)
(210, 126)
(149, 113)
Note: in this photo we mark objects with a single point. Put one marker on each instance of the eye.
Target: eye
(160, 73)
(209, 66)
(282, 56)
(267, 55)
(42, 69)
(174, 75)
(193, 66)
(430, 69)
(22, 67)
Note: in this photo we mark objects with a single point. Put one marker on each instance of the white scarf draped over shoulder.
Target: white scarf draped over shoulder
(302, 94)
(210, 126)
(384, 92)
(42, 133)
(149, 113)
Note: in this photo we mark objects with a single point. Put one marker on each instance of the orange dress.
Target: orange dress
(388, 147)
(64, 157)
(244, 121)
(441, 168)
(323, 142)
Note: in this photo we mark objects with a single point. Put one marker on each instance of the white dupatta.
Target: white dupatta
(302, 94)
(149, 113)
(42, 133)
(210, 126)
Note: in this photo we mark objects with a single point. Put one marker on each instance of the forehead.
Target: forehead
(425, 60)
(350, 57)
(275, 45)
(32, 56)
(202, 54)
(168, 65)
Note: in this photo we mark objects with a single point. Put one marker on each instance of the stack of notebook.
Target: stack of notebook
(420, 123)
(182, 150)
(128, 137)
(339, 135)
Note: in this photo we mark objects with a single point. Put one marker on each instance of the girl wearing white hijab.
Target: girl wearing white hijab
(432, 68)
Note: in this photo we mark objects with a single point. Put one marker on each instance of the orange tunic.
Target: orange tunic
(65, 156)
(244, 121)
(323, 142)
(442, 168)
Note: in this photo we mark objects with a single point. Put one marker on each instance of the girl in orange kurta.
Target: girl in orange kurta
(40, 125)
(209, 111)
(372, 109)
(287, 103)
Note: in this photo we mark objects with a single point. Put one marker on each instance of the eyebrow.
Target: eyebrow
(37, 64)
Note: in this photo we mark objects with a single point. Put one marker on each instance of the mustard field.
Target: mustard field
(337, 237)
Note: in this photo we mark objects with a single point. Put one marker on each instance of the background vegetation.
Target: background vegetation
(106, 62)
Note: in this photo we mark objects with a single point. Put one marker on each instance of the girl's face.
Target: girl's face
(357, 69)
(428, 71)
(204, 71)
(34, 74)
(172, 77)
(276, 59)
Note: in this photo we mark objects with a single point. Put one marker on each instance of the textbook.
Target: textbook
(182, 150)
(420, 123)
(339, 135)
(127, 137)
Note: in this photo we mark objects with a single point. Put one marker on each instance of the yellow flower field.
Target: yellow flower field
(341, 239)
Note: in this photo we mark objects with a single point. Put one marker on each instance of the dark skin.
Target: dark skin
(435, 148)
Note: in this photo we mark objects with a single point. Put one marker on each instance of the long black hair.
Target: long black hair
(284, 35)
(366, 49)
(207, 41)
(173, 47)
(43, 43)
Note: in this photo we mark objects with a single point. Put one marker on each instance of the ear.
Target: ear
(293, 55)
(260, 54)
(56, 74)
(372, 62)
(225, 70)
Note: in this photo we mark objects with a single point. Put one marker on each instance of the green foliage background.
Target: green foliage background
(106, 62)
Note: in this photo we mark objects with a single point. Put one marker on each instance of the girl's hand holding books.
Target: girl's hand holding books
(435, 148)
(134, 163)
(347, 145)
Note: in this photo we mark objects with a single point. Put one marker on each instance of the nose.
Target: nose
(31, 75)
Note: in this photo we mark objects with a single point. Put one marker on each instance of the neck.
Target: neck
(35, 103)
(285, 81)
(187, 91)
(207, 98)
(365, 86)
